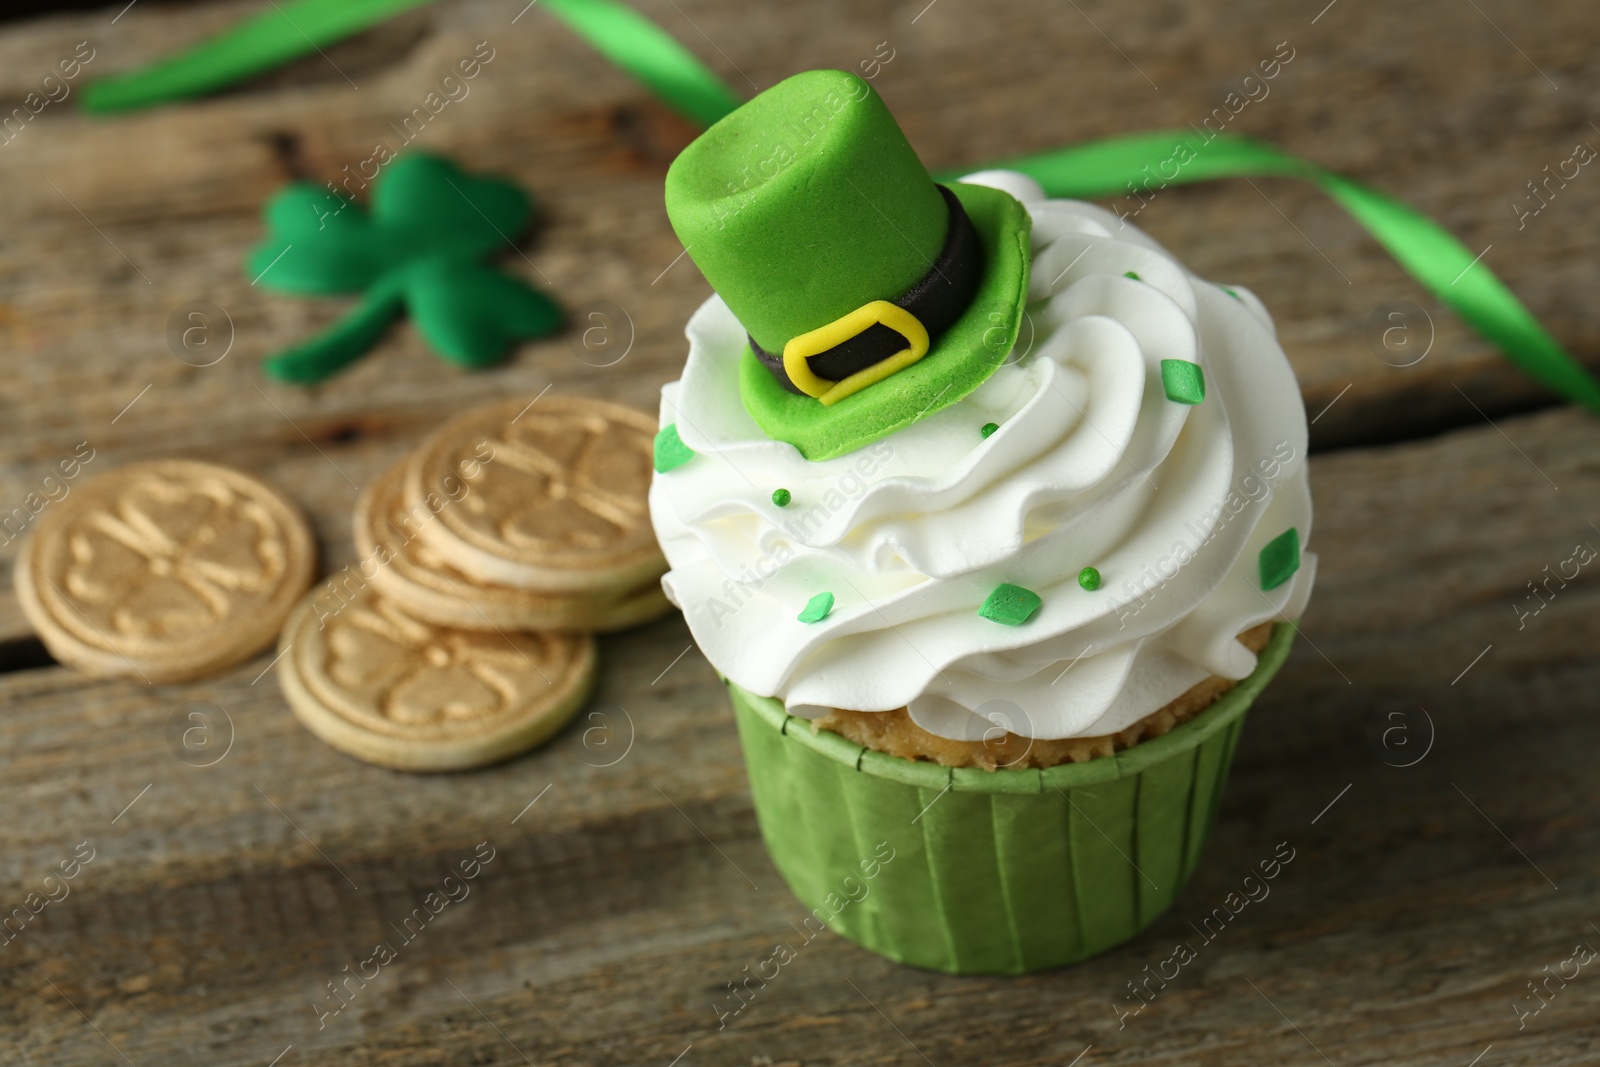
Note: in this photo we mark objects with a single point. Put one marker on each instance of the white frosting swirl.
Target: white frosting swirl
(1091, 465)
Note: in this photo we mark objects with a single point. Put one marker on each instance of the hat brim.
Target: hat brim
(960, 360)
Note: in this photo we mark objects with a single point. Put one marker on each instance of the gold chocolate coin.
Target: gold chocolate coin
(379, 685)
(405, 568)
(553, 495)
(166, 570)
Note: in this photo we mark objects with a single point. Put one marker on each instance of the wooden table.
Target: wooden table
(222, 899)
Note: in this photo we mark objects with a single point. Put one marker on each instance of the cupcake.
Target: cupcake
(992, 517)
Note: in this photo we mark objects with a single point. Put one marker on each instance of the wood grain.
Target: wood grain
(1423, 899)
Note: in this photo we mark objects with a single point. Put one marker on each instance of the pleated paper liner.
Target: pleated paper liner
(990, 872)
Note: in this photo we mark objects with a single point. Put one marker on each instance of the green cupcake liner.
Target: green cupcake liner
(989, 872)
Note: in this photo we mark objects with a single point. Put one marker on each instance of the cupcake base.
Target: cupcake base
(895, 733)
(969, 871)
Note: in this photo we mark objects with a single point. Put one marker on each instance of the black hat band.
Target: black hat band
(937, 300)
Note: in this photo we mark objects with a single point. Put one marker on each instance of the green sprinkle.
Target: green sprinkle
(1132, 274)
(816, 608)
(1089, 578)
(989, 428)
(671, 452)
(781, 497)
(1233, 294)
(1280, 558)
(1011, 605)
(1184, 382)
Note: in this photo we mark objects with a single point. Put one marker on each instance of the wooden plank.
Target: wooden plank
(619, 906)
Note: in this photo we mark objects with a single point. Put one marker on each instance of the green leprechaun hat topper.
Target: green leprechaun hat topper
(872, 297)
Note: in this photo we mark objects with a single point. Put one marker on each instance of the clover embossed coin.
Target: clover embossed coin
(166, 570)
(384, 687)
(404, 567)
(555, 495)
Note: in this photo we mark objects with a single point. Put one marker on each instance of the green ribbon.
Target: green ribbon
(290, 30)
(650, 54)
(1442, 265)
(283, 32)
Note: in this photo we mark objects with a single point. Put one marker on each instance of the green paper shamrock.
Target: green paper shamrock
(419, 249)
